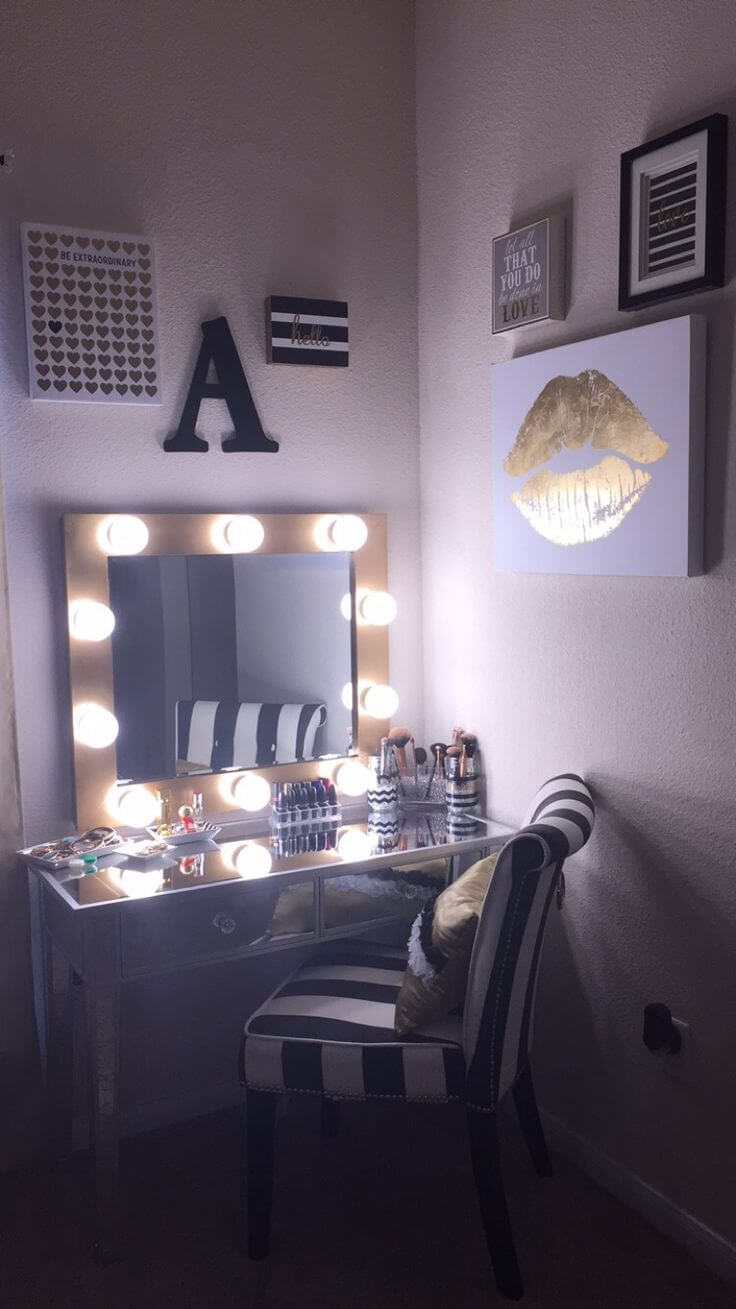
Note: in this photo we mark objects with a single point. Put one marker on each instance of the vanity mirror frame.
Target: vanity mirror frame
(97, 788)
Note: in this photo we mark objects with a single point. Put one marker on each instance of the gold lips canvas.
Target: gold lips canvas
(597, 454)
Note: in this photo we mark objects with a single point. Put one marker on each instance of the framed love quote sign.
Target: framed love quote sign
(90, 315)
(529, 275)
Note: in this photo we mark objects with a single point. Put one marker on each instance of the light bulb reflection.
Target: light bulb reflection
(353, 778)
(137, 884)
(354, 844)
(253, 860)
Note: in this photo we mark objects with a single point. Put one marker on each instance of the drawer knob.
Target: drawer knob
(224, 924)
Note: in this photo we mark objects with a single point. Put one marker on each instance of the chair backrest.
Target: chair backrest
(231, 733)
(498, 1026)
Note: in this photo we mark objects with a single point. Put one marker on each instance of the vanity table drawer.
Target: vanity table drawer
(199, 926)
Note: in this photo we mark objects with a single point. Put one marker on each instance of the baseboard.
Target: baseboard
(709, 1247)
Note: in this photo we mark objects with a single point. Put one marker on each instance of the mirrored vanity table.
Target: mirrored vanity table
(206, 902)
(220, 654)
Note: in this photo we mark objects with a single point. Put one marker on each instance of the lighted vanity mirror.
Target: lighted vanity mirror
(229, 661)
(220, 652)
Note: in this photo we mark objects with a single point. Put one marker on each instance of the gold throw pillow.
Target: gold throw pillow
(440, 945)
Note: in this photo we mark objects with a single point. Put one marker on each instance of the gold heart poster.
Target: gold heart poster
(90, 315)
(597, 452)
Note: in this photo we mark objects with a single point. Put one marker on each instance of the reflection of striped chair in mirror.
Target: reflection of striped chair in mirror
(329, 1029)
(232, 734)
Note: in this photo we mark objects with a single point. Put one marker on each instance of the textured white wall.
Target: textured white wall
(520, 106)
(268, 148)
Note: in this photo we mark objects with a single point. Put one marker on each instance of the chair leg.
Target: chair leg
(485, 1155)
(260, 1116)
(526, 1107)
(330, 1118)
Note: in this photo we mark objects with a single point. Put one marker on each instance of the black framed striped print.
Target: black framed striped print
(303, 331)
(673, 214)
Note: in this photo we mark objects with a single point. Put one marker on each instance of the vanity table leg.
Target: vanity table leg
(103, 1056)
(60, 991)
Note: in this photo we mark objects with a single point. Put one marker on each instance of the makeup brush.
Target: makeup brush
(438, 752)
(469, 743)
(452, 761)
(400, 738)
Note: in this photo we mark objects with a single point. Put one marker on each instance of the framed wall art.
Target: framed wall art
(673, 214)
(597, 452)
(529, 274)
(303, 331)
(90, 315)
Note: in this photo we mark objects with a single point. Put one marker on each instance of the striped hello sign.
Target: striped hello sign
(300, 331)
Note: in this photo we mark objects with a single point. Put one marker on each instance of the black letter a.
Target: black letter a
(218, 348)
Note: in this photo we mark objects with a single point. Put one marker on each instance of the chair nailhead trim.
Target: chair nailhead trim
(303, 1090)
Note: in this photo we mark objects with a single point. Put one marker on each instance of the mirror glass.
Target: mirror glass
(229, 661)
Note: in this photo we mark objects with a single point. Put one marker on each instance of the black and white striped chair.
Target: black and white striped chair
(233, 734)
(329, 1029)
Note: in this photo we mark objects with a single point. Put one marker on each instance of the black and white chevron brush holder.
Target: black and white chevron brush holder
(383, 796)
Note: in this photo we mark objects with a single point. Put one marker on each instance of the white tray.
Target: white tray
(112, 847)
(134, 854)
(205, 832)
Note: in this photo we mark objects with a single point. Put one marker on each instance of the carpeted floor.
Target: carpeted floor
(383, 1216)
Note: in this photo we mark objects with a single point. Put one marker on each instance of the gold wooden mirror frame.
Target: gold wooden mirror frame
(91, 538)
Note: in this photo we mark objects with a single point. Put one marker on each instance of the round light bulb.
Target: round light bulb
(122, 534)
(239, 534)
(353, 778)
(354, 844)
(348, 532)
(253, 860)
(133, 806)
(228, 851)
(138, 884)
(378, 608)
(346, 695)
(380, 701)
(90, 621)
(346, 606)
(251, 792)
(94, 726)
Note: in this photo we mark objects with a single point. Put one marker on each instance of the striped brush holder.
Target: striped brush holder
(383, 796)
(384, 829)
(463, 796)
